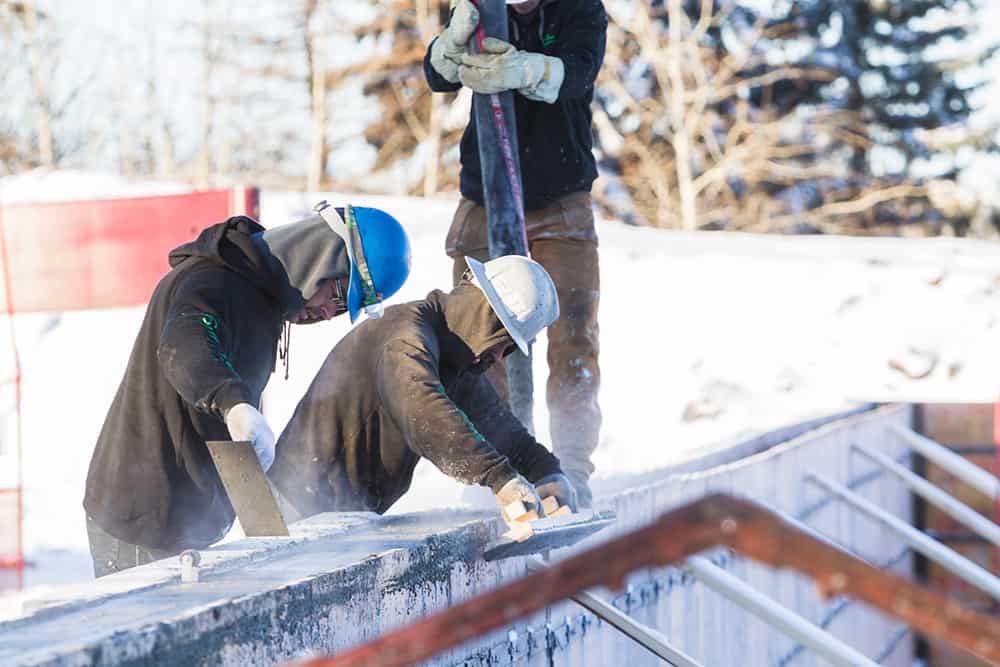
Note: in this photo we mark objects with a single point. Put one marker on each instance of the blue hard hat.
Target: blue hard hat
(386, 249)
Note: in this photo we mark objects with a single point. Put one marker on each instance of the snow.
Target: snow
(705, 338)
(43, 185)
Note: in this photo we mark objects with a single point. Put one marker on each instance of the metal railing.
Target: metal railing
(742, 525)
(942, 555)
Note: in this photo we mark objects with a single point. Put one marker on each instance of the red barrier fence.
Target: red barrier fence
(11, 549)
(78, 255)
(105, 253)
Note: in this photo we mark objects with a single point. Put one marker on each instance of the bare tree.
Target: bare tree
(36, 127)
(316, 79)
(692, 148)
(414, 121)
(39, 84)
(427, 28)
(211, 55)
(158, 131)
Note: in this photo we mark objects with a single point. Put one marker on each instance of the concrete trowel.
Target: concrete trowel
(248, 488)
(559, 528)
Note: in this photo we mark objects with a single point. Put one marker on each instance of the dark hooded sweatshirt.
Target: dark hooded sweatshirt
(400, 388)
(207, 342)
(555, 141)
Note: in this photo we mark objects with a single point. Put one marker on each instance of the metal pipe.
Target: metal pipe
(939, 455)
(649, 638)
(942, 500)
(503, 196)
(776, 615)
(645, 635)
(947, 558)
(799, 524)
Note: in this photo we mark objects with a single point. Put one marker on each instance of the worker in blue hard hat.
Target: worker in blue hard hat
(204, 353)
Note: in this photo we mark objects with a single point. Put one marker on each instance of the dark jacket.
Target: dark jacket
(555, 141)
(207, 342)
(400, 388)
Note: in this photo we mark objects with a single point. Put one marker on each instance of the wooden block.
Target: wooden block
(514, 510)
(562, 511)
(519, 532)
(550, 505)
(527, 517)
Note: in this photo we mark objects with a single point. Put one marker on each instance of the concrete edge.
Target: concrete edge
(214, 560)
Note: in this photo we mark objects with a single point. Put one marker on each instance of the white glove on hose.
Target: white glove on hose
(245, 423)
(519, 489)
(450, 45)
(502, 67)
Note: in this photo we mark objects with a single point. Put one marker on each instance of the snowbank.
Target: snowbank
(707, 338)
(44, 185)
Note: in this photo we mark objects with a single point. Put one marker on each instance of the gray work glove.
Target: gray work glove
(558, 486)
(450, 45)
(519, 489)
(245, 423)
(502, 67)
(585, 498)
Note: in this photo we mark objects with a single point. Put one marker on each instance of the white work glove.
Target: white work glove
(502, 67)
(245, 423)
(518, 489)
(558, 486)
(450, 45)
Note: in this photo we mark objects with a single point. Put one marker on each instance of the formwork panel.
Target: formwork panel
(392, 588)
(971, 430)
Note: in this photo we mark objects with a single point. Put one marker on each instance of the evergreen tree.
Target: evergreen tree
(905, 68)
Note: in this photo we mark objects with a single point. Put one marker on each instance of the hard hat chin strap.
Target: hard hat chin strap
(346, 227)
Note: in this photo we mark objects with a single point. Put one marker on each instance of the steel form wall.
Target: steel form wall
(346, 589)
(702, 623)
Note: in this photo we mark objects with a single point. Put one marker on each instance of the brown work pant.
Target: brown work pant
(562, 238)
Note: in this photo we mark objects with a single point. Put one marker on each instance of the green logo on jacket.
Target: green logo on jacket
(211, 324)
(465, 418)
(548, 39)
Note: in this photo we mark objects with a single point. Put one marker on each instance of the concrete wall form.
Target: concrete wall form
(343, 579)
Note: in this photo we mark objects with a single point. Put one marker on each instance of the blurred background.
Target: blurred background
(815, 116)
(777, 180)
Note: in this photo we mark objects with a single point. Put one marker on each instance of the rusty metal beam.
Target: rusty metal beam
(717, 520)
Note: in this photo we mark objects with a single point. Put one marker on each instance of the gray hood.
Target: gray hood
(303, 253)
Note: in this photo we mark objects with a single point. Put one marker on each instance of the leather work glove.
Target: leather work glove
(519, 489)
(245, 423)
(502, 67)
(451, 44)
(559, 487)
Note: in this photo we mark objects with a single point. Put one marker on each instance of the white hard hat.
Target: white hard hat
(521, 293)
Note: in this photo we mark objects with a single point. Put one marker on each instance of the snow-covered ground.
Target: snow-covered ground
(705, 338)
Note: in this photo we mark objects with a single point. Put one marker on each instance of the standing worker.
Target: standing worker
(201, 360)
(556, 51)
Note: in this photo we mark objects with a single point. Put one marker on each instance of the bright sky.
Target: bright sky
(113, 38)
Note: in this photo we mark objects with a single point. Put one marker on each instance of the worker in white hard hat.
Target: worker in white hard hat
(410, 385)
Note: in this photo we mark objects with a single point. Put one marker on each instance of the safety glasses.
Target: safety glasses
(346, 227)
(339, 296)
